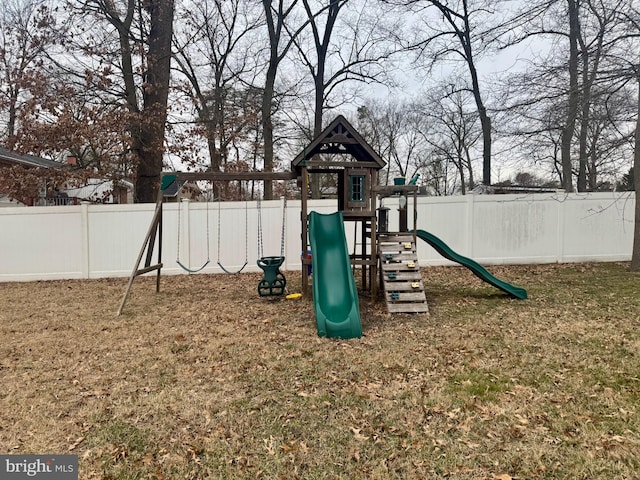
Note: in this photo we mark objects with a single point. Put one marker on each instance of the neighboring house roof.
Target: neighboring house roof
(96, 189)
(9, 158)
(339, 137)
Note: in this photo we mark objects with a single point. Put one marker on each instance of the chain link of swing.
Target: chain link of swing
(246, 239)
(282, 236)
(178, 261)
(246, 236)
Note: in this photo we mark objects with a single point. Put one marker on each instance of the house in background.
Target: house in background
(96, 190)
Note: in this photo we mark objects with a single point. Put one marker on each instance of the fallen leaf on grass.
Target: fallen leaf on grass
(270, 445)
(358, 435)
(77, 442)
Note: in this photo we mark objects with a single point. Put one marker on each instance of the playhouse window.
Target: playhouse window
(356, 188)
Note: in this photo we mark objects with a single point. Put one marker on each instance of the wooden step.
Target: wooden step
(405, 287)
(400, 267)
(398, 256)
(401, 277)
(408, 307)
(405, 296)
(395, 238)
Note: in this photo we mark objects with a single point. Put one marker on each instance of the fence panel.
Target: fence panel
(93, 241)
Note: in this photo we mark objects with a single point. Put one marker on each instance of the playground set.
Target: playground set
(387, 260)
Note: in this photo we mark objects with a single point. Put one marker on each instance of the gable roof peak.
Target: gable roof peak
(339, 137)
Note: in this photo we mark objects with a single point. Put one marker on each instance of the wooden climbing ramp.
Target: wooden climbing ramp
(401, 279)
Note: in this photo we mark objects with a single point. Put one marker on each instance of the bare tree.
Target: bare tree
(459, 35)
(454, 132)
(214, 52)
(396, 130)
(625, 43)
(283, 28)
(345, 49)
(356, 55)
(137, 49)
(27, 33)
(568, 80)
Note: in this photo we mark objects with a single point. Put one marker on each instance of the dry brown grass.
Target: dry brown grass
(207, 380)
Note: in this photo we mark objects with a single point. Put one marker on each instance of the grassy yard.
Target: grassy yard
(206, 380)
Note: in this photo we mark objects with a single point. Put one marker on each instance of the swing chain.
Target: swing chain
(178, 235)
(284, 218)
(282, 236)
(260, 245)
(185, 267)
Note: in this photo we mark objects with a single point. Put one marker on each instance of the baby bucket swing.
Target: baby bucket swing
(273, 282)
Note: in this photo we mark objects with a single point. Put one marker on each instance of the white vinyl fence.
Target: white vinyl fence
(94, 241)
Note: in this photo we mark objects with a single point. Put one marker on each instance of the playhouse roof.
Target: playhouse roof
(339, 137)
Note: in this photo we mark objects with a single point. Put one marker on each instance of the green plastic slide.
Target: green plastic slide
(479, 271)
(335, 297)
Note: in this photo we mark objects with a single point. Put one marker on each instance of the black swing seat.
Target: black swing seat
(273, 281)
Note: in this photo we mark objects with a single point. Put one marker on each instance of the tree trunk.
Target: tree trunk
(585, 99)
(463, 185)
(10, 141)
(587, 177)
(485, 120)
(635, 253)
(322, 48)
(460, 164)
(485, 123)
(155, 97)
(317, 120)
(472, 183)
(570, 124)
(592, 171)
(267, 127)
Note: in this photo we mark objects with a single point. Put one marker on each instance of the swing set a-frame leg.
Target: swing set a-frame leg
(155, 229)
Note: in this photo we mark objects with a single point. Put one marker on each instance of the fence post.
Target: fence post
(284, 211)
(84, 235)
(470, 224)
(560, 230)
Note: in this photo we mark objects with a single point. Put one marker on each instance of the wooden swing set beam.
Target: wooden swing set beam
(232, 176)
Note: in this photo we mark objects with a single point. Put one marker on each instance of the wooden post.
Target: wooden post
(373, 271)
(147, 244)
(304, 224)
(402, 213)
(159, 247)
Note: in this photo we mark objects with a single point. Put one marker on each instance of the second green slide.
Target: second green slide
(478, 270)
